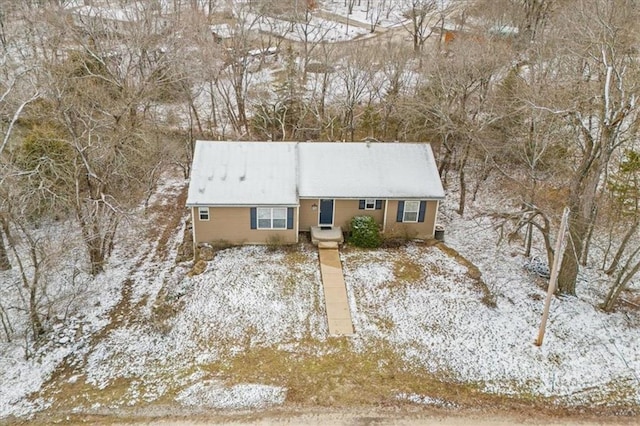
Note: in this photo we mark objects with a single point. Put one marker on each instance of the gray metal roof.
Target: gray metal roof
(243, 173)
(368, 170)
(263, 173)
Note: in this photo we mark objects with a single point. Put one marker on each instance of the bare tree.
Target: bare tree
(623, 277)
(623, 197)
(355, 74)
(243, 51)
(421, 16)
(18, 88)
(311, 36)
(46, 281)
(98, 95)
(374, 13)
(599, 105)
(455, 105)
(536, 14)
(400, 84)
(319, 86)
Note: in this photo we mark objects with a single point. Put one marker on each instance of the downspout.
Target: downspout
(435, 218)
(384, 216)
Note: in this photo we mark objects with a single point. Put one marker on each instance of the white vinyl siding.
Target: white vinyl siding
(411, 209)
(203, 213)
(272, 218)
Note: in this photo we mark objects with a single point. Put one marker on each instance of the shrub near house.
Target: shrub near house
(365, 232)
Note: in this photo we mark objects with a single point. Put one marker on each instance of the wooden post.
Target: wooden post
(557, 258)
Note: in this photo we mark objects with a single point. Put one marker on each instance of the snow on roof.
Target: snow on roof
(243, 173)
(255, 173)
(363, 170)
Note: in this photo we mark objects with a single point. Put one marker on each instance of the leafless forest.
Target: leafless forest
(100, 97)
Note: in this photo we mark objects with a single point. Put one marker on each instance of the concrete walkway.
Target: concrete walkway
(335, 293)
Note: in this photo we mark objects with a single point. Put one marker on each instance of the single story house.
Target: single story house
(258, 192)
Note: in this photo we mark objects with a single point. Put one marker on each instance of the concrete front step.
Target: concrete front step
(329, 234)
(327, 244)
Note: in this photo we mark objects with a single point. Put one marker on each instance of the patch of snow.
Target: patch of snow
(250, 288)
(425, 400)
(212, 394)
(313, 30)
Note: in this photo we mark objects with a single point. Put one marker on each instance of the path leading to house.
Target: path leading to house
(335, 293)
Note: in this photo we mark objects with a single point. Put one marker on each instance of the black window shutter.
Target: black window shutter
(378, 204)
(423, 208)
(361, 205)
(400, 211)
(289, 217)
(254, 222)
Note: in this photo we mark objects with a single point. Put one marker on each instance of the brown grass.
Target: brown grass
(162, 312)
(334, 374)
(293, 258)
(167, 219)
(173, 217)
(407, 270)
(472, 272)
(329, 373)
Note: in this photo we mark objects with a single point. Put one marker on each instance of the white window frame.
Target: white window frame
(204, 211)
(369, 202)
(271, 217)
(407, 209)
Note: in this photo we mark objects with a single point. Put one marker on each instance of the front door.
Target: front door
(326, 213)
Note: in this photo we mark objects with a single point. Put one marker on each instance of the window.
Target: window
(411, 209)
(272, 218)
(279, 218)
(369, 204)
(203, 213)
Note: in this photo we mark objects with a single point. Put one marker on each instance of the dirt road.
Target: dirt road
(383, 417)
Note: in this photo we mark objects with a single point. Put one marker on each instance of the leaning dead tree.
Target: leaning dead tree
(512, 224)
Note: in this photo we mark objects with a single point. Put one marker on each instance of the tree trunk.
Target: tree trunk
(6, 323)
(605, 256)
(528, 240)
(238, 88)
(486, 171)
(463, 192)
(96, 258)
(572, 252)
(213, 125)
(34, 316)
(92, 241)
(445, 164)
(623, 245)
(587, 243)
(463, 183)
(4, 259)
(582, 201)
(623, 278)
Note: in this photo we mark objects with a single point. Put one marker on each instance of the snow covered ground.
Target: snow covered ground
(440, 323)
(148, 333)
(315, 30)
